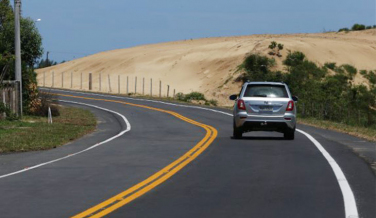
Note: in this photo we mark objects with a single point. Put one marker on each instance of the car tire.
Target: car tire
(289, 134)
(237, 133)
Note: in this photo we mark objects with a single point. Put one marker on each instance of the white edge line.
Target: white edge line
(348, 196)
(351, 210)
(87, 149)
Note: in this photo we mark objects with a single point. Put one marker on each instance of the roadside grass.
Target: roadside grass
(361, 132)
(34, 133)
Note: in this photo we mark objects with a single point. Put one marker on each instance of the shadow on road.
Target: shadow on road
(259, 138)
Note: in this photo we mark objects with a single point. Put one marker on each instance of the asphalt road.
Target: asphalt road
(262, 175)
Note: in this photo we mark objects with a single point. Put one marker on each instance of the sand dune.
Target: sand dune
(205, 64)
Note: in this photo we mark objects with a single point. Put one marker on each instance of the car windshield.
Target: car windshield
(267, 91)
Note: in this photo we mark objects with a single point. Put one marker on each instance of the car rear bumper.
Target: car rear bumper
(265, 123)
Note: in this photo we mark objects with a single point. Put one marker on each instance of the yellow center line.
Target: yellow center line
(156, 179)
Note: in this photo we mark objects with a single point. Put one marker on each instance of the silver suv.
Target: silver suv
(264, 106)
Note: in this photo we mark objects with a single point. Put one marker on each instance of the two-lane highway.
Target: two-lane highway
(179, 161)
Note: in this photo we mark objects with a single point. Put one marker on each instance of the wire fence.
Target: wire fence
(338, 112)
(106, 83)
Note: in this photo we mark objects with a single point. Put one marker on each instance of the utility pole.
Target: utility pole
(17, 11)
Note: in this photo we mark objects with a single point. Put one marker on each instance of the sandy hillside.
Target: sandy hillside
(203, 64)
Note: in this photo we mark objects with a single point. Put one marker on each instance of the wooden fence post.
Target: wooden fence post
(160, 88)
(90, 81)
(127, 85)
(174, 94)
(14, 100)
(4, 102)
(135, 85)
(100, 81)
(168, 90)
(118, 84)
(109, 83)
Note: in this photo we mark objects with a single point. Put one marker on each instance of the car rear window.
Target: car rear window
(266, 91)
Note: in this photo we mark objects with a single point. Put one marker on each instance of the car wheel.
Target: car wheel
(289, 134)
(237, 133)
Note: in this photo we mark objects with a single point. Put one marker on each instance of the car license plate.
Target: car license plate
(266, 108)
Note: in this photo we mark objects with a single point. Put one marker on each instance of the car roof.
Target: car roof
(264, 83)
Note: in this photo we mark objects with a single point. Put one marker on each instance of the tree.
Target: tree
(46, 63)
(31, 51)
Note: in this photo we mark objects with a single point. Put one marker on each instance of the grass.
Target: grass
(34, 133)
(361, 132)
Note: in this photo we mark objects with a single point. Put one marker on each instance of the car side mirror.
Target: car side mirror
(294, 98)
(233, 97)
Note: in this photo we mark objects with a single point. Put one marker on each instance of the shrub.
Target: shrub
(371, 76)
(321, 97)
(344, 30)
(357, 27)
(45, 102)
(293, 59)
(273, 45)
(363, 72)
(194, 96)
(368, 27)
(180, 96)
(351, 70)
(8, 112)
(330, 65)
(276, 48)
(256, 67)
(213, 102)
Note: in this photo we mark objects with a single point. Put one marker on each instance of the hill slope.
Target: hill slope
(205, 64)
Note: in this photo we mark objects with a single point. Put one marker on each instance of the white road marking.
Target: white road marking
(348, 196)
(87, 149)
(351, 210)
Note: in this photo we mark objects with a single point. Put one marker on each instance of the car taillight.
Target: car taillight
(241, 104)
(290, 106)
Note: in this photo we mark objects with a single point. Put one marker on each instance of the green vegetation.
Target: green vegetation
(331, 65)
(362, 132)
(31, 42)
(321, 96)
(275, 48)
(344, 30)
(371, 76)
(257, 68)
(4, 109)
(34, 133)
(45, 63)
(357, 27)
(195, 97)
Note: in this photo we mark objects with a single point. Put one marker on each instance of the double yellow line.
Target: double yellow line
(159, 177)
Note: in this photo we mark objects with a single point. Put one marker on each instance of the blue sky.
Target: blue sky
(75, 28)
